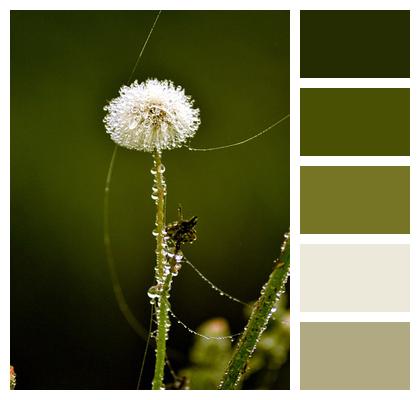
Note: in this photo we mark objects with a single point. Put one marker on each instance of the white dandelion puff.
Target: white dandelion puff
(151, 116)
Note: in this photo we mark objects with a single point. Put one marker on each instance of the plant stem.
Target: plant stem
(159, 194)
(162, 272)
(162, 330)
(261, 313)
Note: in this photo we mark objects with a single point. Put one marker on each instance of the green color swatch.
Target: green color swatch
(355, 355)
(355, 200)
(355, 122)
(355, 44)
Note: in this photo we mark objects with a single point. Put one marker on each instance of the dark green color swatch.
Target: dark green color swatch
(355, 355)
(355, 200)
(355, 44)
(355, 122)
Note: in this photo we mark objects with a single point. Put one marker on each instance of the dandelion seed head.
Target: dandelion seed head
(151, 116)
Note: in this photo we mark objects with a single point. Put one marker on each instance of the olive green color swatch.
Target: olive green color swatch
(355, 122)
(355, 44)
(355, 355)
(350, 200)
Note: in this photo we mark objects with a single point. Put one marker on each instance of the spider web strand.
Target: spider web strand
(185, 326)
(245, 140)
(212, 285)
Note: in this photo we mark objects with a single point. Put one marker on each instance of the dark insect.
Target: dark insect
(182, 231)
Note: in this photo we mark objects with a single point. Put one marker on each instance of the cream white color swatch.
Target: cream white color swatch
(355, 278)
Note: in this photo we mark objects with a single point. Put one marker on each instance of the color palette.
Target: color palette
(355, 44)
(355, 122)
(355, 278)
(355, 355)
(355, 200)
(354, 253)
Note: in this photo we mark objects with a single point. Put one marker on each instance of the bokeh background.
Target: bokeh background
(66, 329)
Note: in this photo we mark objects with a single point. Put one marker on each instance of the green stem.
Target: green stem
(162, 331)
(163, 274)
(159, 186)
(261, 313)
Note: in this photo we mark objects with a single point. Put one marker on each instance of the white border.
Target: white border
(211, 5)
(354, 83)
(5, 202)
(354, 239)
(355, 316)
(414, 198)
(355, 161)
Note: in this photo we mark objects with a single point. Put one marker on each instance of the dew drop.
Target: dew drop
(175, 269)
(154, 293)
(133, 123)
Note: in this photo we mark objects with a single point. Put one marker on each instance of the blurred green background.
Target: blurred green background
(66, 329)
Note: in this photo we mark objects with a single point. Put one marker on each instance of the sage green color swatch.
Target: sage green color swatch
(355, 200)
(355, 122)
(355, 44)
(355, 355)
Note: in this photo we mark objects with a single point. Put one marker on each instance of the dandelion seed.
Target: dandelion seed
(151, 116)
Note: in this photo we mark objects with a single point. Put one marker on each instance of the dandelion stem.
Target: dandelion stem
(258, 320)
(162, 272)
(162, 331)
(159, 195)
